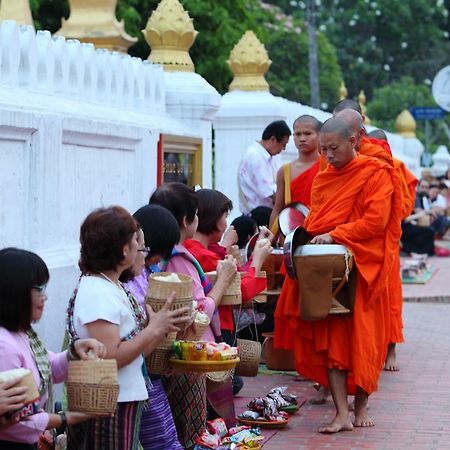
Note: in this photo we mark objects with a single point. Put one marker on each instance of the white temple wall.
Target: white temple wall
(79, 129)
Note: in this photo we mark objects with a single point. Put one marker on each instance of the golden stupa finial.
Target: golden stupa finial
(95, 22)
(18, 10)
(343, 93)
(405, 124)
(249, 62)
(362, 102)
(170, 33)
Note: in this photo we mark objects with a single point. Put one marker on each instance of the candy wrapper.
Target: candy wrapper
(235, 430)
(282, 390)
(253, 415)
(208, 440)
(218, 427)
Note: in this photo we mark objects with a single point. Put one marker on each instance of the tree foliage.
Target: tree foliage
(380, 41)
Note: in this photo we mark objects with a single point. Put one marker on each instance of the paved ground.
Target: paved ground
(411, 408)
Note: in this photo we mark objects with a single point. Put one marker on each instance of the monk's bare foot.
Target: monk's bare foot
(351, 406)
(391, 360)
(321, 397)
(363, 420)
(340, 423)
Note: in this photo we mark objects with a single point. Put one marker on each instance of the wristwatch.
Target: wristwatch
(63, 416)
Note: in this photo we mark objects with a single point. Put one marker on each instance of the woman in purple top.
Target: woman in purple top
(161, 233)
(23, 280)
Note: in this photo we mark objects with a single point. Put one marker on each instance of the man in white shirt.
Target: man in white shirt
(259, 166)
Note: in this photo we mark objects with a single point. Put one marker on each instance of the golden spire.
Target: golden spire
(362, 102)
(18, 10)
(249, 62)
(170, 34)
(342, 91)
(95, 22)
(405, 124)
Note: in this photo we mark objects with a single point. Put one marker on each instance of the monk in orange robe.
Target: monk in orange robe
(351, 204)
(350, 111)
(408, 185)
(301, 173)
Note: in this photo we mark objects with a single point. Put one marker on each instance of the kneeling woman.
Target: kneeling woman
(23, 281)
(100, 308)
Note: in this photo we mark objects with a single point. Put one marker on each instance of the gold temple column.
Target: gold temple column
(95, 21)
(362, 102)
(170, 33)
(343, 93)
(405, 124)
(18, 10)
(249, 62)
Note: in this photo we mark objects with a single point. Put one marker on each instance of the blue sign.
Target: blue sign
(427, 112)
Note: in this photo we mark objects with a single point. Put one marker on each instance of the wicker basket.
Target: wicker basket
(158, 361)
(200, 329)
(26, 379)
(262, 296)
(92, 386)
(250, 357)
(232, 295)
(159, 291)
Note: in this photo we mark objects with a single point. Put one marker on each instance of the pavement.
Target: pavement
(411, 409)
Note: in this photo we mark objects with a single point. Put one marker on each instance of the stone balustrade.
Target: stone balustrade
(42, 63)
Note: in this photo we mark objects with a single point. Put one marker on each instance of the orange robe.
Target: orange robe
(288, 307)
(408, 182)
(356, 205)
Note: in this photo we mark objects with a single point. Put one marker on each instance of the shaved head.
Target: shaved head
(306, 118)
(352, 118)
(337, 142)
(378, 134)
(347, 103)
(338, 126)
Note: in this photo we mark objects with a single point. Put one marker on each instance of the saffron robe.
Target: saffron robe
(288, 307)
(405, 189)
(251, 285)
(355, 204)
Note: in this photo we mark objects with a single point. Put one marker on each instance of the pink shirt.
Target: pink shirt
(181, 264)
(15, 352)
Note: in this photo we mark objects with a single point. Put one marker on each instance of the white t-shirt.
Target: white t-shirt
(257, 178)
(100, 299)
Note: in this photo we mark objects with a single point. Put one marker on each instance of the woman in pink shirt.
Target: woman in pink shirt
(23, 281)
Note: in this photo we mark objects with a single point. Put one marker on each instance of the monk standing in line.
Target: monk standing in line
(351, 113)
(300, 174)
(351, 204)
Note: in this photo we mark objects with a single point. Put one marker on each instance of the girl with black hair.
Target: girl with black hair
(23, 281)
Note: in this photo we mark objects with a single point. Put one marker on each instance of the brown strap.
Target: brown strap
(287, 183)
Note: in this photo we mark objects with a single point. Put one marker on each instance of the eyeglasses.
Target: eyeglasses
(145, 250)
(40, 289)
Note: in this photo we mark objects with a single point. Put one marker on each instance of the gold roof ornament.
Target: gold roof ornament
(249, 61)
(343, 93)
(405, 124)
(95, 22)
(170, 33)
(18, 10)
(362, 102)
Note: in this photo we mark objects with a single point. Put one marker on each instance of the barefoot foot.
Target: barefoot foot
(321, 397)
(363, 421)
(390, 364)
(339, 424)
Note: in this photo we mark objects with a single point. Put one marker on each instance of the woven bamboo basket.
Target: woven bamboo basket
(158, 292)
(262, 296)
(158, 361)
(232, 294)
(250, 357)
(92, 386)
(26, 380)
(200, 329)
(180, 365)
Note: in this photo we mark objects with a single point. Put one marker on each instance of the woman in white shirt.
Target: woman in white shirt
(100, 308)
